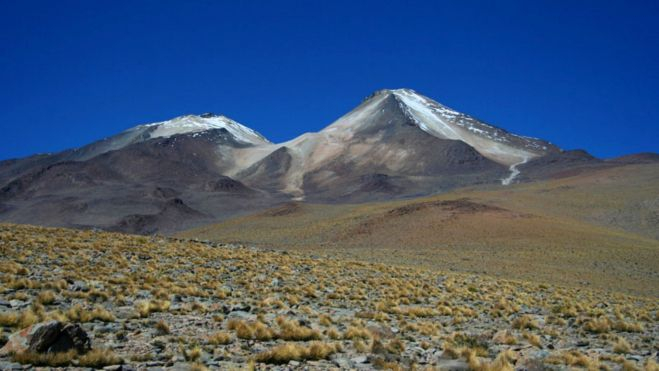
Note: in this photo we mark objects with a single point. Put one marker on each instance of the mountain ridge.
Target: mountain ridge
(395, 144)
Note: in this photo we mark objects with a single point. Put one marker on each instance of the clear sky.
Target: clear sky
(582, 74)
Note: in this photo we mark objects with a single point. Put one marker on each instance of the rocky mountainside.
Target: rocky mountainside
(191, 170)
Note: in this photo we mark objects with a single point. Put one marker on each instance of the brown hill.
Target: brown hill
(598, 228)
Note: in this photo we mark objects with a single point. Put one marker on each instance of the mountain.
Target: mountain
(196, 169)
(155, 177)
(396, 142)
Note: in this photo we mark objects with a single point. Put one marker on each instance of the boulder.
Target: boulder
(48, 337)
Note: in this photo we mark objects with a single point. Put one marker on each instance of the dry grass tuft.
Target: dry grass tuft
(78, 314)
(503, 362)
(219, 338)
(353, 333)
(99, 358)
(46, 297)
(162, 328)
(144, 308)
(193, 354)
(291, 330)
(251, 330)
(45, 360)
(533, 339)
(599, 325)
(525, 323)
(622, 346)
(18, 319)
(287, 352)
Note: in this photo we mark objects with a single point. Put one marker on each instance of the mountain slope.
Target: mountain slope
(597, 228)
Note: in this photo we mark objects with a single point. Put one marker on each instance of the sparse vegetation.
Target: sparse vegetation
(47, 359)
(160, 299)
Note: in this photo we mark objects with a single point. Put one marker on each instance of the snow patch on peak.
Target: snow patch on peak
(199, 123)
(431, 117)
(446, 123)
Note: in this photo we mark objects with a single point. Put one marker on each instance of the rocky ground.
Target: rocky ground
(154, 303)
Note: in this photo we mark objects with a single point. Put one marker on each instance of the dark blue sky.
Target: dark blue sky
(582, 74)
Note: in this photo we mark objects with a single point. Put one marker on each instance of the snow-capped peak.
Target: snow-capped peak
(207, 121)
(444, 122)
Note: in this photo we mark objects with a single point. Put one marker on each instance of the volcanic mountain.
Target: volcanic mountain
(195, 169)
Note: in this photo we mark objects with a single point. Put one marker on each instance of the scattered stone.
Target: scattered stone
(241, 308)
(78, 286)
(452, 365)
(19, 304)
(8, 366)
(583, 343)
(342, 363)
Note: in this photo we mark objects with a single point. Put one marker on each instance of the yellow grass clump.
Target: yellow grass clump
(287, 352)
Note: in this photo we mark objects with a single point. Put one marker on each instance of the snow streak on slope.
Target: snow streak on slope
(514, 172)
(194, 124)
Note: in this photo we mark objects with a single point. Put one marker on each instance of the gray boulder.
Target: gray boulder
(48, 337)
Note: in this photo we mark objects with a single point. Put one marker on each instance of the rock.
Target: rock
(78, 286)
(4, 303)
(48, 337)
(360, 359)
(241, 315)
(452, 365)
(180, 366)
(342, 363)
(241, 308)
(118, 368)
(583, 343)
(10, 366)
(19, 304)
